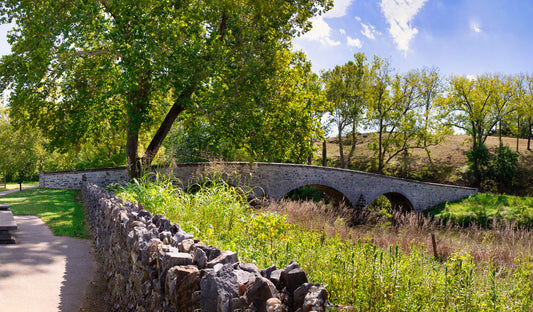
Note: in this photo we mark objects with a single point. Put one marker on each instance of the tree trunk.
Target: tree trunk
(354, 140)
(166, 125)
(529, 136)
(132, 144)
(380, 145)
(517, 134)
(341, 151)
(324, 153)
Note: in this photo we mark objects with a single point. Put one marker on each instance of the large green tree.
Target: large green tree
(282, 114)
(137, 64)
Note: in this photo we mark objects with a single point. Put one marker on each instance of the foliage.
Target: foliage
(401, 109)
(478, 158)
(504, 167)
(275, 119)
(485, 209)
(21, 152)
(344, 87)
(356, 273)
(59, 209)
(79, 69)
(307, 192)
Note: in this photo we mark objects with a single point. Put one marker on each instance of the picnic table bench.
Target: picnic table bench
(7, 225)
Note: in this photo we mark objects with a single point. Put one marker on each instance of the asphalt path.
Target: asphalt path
(43, 272)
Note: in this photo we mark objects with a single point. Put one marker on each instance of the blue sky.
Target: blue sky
(461, 37)
(468, 37)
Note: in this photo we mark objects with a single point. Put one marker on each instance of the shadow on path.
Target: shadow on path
(43, 272)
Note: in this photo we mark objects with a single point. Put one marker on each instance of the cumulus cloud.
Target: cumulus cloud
(321, 30)
(399, 14)
(369, 31)
(354, 42)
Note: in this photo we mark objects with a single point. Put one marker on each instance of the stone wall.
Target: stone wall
(153, 265)
(274, 181)
(72, 179)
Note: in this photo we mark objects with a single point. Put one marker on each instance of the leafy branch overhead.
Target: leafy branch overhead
(80, 67)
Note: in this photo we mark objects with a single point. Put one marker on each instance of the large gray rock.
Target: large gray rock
(218, 288)
(226, 257)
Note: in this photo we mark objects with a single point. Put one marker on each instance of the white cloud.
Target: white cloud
(339, 8)
(321, 30)
(357, 18)
(354, 42)
(369, 31)
(399, 14)
(475, 27)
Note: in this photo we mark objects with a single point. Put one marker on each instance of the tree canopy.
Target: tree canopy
(79, 68)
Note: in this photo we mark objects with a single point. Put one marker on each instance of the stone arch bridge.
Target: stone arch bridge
(355, 188)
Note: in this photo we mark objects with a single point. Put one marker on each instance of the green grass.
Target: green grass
(355, 273)
(15, 186)
(59, 209)
(484, 209)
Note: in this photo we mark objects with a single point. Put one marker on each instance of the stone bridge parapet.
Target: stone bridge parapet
(275, 180)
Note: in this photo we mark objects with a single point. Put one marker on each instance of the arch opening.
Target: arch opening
(318, 192)
(391, 202)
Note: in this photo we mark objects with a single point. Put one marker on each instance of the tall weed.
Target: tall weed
(357, 270)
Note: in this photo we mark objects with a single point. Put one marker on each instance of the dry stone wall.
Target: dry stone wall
(153, 265)
(72, 179)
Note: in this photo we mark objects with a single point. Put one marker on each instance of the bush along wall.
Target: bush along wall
(153, 265)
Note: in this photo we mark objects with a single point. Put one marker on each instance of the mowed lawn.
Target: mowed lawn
(59, 209)
(16, 186)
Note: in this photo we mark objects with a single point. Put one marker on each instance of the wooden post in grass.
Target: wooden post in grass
(434, 243)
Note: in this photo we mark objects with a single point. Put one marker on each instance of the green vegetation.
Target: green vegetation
(16, 186)
(357, 273)
(486, 209)
(60, 209)
(131, 68)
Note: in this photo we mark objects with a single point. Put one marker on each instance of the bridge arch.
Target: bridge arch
(334, 195)
(399, 201)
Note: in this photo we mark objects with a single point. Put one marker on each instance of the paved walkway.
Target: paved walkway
(43, 272)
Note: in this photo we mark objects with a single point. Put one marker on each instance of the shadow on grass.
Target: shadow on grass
(59, 209)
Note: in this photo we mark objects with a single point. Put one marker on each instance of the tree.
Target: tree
(138, 64)
(433, 127)
(504, 92)
(336, 93)
(20, 153)
(345, 86)
(528, 107)
(281, 113)
(476, 106)
(394, 111)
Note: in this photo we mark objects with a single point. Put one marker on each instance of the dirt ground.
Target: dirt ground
(96, 294)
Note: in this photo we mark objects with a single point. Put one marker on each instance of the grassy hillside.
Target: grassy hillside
(447, 165)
